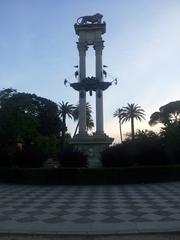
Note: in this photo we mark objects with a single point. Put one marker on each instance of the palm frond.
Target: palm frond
(89, 120)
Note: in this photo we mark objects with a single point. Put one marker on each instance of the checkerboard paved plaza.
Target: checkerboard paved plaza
(90, 209)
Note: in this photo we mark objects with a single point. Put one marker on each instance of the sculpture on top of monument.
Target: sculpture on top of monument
(92, 19)
(93, 25)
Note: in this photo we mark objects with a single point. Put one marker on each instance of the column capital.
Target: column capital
(98, 47)
(82, 46)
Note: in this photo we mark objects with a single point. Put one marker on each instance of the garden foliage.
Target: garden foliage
(147, 148)
(70, 157)
(24, 119)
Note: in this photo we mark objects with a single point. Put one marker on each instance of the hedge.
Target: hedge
(90, 175)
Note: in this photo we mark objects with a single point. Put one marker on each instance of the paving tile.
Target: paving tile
(28, 219)
(60, 213)
(4, 218)
(141, 219)
(10, 212)
(35, 212)
(167, 219)
(85, 213)
(112, 220)
(83, 220)
(54, 220)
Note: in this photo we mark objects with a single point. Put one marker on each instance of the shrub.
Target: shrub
(49, 145)
(70, 157)
(151, 154)
(147, 149)
(5, 159)
(118, 156)
(150, 149)
(29, 157)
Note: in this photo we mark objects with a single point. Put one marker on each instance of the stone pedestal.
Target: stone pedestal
(92, 146)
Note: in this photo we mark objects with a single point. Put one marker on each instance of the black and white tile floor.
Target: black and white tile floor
(90, 209)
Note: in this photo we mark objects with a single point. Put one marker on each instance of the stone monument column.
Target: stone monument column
(98, 46)
(90, 30)
(82, 47)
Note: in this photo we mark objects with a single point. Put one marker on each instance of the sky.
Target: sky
(142, 50)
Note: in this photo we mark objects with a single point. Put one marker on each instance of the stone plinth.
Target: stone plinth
(92, 146)
(85, 31)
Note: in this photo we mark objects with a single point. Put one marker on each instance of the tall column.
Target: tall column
(82, 47)
(98, 46)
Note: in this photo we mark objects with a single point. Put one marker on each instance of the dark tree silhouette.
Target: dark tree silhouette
(20, 113)
(168, 114)
(25, 117)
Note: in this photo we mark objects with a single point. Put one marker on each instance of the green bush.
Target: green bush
(150, 149)
(49, 145)
(151, 154)
(30, 156)
(118, 156)
(70, 157)
(5, 159)
(147, 149)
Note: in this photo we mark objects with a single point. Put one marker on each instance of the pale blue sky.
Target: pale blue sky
(142, 49)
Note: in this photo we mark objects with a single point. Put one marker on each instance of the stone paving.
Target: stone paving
(137, 208)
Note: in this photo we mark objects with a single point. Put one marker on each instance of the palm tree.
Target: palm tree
(89, 120)
(131, 112)
(65, 109)
(119, 114)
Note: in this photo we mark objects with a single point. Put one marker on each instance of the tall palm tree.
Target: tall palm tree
(65, 110)
(119, 114)
(89, 120)
(131, 112)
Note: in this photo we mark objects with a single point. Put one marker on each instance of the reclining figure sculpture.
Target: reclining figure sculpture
(93, 19)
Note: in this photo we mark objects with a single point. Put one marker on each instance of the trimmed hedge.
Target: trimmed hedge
(91, 176)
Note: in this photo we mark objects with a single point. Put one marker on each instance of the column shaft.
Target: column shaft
(99, 93)
(82, 47)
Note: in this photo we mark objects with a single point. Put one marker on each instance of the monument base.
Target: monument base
(92, 146)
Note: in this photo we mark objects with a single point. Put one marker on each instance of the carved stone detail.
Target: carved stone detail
(98, 47)
(82, 47)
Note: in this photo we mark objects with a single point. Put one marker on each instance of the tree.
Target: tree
(131, 112)
(168, 114)
(25, 106)
(119, 114)
(6, 93)
(89, 120)
(65, 110)
(24, 117)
